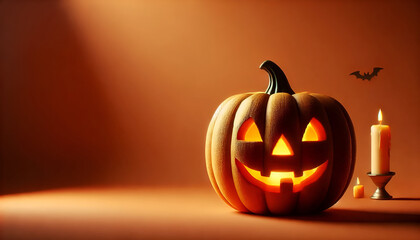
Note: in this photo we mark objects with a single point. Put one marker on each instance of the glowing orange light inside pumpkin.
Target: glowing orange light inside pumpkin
(282, 147)
(249, 131)
(272, 182)
(314, 132)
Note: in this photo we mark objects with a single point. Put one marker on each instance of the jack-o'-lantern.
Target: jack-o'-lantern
(279, 152)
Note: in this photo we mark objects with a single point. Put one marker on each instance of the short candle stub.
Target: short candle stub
(358, 190)
(381, 180)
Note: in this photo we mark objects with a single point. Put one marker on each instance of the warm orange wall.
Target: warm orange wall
(121, 92)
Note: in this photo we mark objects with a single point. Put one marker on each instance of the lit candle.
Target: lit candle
(358, 190)
(380, 147)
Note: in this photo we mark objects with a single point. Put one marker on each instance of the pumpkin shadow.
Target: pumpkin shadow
(356, 216)
(346, 215)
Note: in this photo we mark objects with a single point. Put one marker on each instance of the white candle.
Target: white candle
(380, 147)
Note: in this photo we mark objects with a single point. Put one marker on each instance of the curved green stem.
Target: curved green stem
(278, 81)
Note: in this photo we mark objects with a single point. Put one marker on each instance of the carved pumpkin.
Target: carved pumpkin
(279, 152)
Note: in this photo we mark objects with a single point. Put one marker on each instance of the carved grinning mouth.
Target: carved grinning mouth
(272, 183)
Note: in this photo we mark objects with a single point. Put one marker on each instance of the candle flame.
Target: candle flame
(358, 181)
(380, 116)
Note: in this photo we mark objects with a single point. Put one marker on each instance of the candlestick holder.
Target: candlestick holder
(381, 180)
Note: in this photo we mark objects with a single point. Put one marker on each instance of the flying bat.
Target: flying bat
(367, 75)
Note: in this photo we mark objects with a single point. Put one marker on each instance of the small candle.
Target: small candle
(358, 190)
(380, 147)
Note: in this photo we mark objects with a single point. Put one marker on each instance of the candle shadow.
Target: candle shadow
(406, 198)
(356, 216)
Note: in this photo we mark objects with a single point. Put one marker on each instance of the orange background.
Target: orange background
(121, 92)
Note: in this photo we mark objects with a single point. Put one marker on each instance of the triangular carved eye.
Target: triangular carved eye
(282, 147)
(314, 132)
(249, 131)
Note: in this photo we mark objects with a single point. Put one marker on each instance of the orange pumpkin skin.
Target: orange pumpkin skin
(280, 113)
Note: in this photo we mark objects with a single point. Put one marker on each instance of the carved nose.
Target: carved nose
(282, 147)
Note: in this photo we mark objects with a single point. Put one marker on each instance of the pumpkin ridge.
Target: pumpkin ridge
(233, 157)
(304, 103)
(348, 180)
(332, 140)
(325, 202)
(353, 144)
(289, 201)
(334, 105)
(226, 184)
(208, 154)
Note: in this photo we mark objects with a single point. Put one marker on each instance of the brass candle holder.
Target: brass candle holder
(381, 180)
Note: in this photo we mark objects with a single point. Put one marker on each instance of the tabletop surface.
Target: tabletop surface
(192, 213)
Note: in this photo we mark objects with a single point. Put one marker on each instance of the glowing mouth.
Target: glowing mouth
(272, 182)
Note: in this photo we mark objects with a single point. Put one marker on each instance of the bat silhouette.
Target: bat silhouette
(367, 75)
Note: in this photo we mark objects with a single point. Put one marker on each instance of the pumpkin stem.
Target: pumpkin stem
(278, 81)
